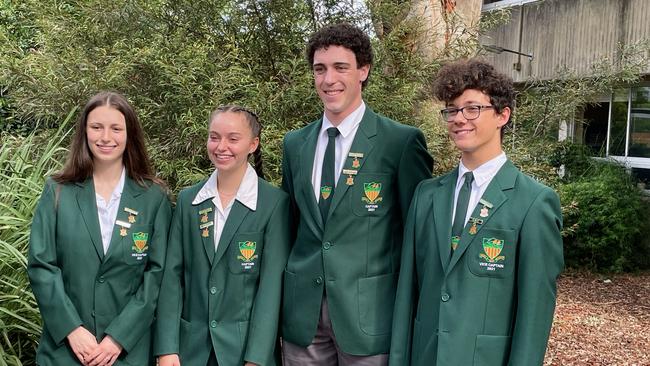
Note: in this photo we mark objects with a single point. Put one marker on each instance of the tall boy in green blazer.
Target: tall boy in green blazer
(350, 192)
(482, 246)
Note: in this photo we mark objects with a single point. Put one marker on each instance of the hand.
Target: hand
(169, 360)
(105, 353)
(83, 343)
(250, 364)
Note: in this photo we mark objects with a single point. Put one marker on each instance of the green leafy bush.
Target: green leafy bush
(603, 216)
(25, 162)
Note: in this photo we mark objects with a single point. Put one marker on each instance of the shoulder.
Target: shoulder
(301, 133)
(187, 194)
(269, 192)
(395, 127)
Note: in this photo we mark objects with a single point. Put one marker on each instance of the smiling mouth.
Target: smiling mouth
(106, 148)
(462, 132)
(332, 92)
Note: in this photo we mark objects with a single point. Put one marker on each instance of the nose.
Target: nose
(106, 135)
(329, 76)
(459, 118)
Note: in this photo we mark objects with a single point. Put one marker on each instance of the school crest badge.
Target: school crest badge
(325, 192)
(140, 242)
(492, 247)
(247, 250)
(372, 191)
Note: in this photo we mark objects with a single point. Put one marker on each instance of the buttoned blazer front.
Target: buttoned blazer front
(486, 305)
(75, 283)
(354, 259)
(220, 299)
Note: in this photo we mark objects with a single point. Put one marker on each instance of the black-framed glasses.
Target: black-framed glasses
(470, 112)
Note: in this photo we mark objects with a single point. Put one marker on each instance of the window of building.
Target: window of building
(619, 127)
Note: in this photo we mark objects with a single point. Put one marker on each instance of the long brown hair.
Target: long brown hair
(256, 128)
(79, 164)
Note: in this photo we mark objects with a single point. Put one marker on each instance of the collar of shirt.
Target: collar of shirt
(347, 126)
(484, 173)
(246, 194)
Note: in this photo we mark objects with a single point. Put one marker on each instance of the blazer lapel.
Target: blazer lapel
(87, 203)
(206, 226)
(129, 198)
(362, 143)
(307, 153)
(503, 180)
(237, 214)
(443, 203)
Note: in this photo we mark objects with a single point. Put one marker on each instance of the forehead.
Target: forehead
(470, 96)
(106, 114)
(334, 54)
(229, 122)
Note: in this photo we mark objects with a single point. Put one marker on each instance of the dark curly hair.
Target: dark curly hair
(456, 77)
(345, 35)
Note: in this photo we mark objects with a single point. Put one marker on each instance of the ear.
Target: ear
(254, 144)
(363, 72)
(504, 117)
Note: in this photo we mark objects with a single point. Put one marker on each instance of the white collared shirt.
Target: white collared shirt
(107, 211)
(348, 129)
(246, 195)
(483, 175)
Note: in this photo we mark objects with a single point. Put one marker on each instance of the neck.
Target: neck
(107, 172)
(229, 182)
(473, 161)
(337, 118)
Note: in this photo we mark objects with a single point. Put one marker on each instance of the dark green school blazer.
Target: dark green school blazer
(492, 302)
(76, 284)
(354, 259)
(229, 300)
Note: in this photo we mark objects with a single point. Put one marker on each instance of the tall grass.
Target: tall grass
(25, 162)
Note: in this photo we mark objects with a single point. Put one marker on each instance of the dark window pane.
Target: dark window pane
(640, 123)
(619, 123)
(595, 127)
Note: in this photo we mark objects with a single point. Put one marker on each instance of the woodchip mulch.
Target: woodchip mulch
(601, 320)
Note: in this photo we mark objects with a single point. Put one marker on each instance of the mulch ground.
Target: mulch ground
(601, 320)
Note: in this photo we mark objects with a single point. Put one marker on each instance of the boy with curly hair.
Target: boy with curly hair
(482, 246)
(350, 176)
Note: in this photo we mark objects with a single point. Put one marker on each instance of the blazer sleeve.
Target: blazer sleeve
(415, 165)
(265, 314)
(407, 293)
(167, 327)
(138, 314)
(540, 263)
(57, 311)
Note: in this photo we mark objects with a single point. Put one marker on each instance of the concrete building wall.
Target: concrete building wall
(567, 33)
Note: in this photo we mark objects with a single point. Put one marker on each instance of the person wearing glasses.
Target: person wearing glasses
(482, 246)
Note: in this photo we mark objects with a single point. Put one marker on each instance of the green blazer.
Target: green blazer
(492, 302)
(220, 300)
(76, 284)
(355, 257)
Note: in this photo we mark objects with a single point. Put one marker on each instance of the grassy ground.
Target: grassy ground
(601, 320)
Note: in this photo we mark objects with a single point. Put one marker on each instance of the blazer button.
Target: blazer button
(92, 313)
(101, 280)
(213, 290)
(318, 280)
(213, 324)
(444, 297)
(327, 245)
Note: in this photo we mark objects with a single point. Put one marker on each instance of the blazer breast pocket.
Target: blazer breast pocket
(493, 253)
(245, 252)
(137, 243)
(371, 194)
